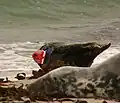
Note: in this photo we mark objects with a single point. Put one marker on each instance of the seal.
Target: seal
(102, 81)
(58, 54)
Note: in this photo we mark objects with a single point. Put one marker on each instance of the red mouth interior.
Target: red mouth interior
(39, 56)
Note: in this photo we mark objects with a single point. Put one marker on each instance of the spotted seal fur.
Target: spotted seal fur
(102, 81)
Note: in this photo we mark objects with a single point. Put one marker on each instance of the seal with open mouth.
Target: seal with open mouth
(56, 54)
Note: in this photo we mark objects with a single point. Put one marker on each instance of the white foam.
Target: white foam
(16, 57)
(13, 61)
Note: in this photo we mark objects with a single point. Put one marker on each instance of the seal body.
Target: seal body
(61, 54)
(102, 81)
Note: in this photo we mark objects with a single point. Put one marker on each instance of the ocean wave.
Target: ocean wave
(53, 20)
(55, 10)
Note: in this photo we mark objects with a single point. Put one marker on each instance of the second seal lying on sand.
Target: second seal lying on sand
(102, 81)
(56, 54)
